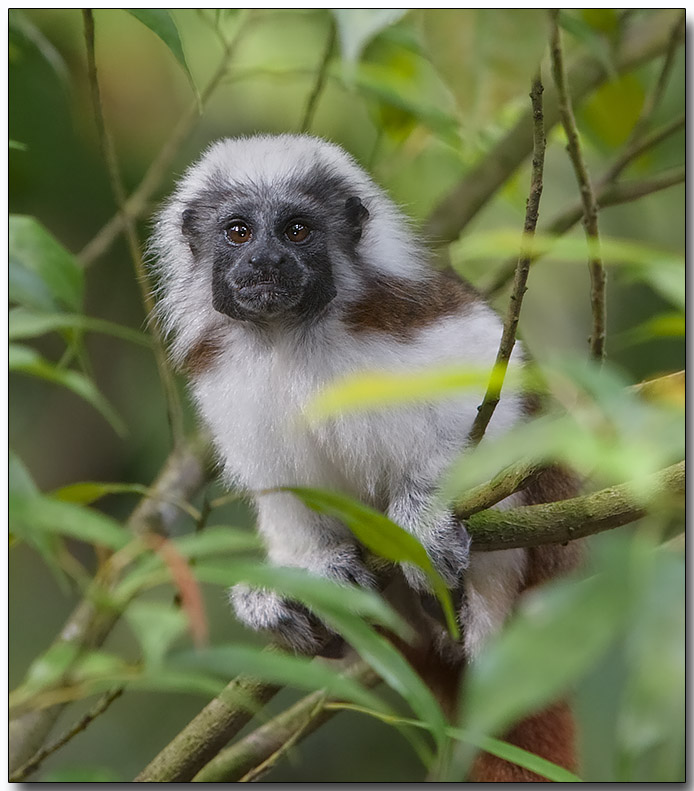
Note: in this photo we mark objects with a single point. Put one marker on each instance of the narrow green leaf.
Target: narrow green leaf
(356, 27)
(379, 389)
(26, 360)
(46, 514)
(20, 480)
(25, 323)
(43, 274)
(393, 668)
(87, 492)
(17, 146)
(381, 535)
(277, 668)
(156, 626)
(161, 23)
(317, 593)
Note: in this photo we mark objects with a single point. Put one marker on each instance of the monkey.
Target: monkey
(282, 267)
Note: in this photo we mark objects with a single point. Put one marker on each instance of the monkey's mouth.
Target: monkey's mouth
(267, 294)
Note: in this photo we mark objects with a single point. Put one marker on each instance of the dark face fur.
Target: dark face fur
(271, 247)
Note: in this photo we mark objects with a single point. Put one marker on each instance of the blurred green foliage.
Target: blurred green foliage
(419, 97)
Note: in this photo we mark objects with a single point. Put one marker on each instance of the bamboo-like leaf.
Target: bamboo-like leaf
(25, 323)
(382, 536)
(358, 26)
(41, 513)
(161, 23)
(277, 668)
(156, 626)
(43, 274)
(26, 360)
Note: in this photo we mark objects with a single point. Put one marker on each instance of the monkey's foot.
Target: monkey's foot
(448, 547)
(289, 621)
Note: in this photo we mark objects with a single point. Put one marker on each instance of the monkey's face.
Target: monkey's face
(271, 253)
(270, 263)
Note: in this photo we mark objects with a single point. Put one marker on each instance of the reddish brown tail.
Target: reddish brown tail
(549, 734)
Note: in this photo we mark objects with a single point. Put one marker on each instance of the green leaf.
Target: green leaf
(277, 668)
(43, 274)
(41, 513)
(156, 626)
(382, 536)
(317, 593)
(20, 480)
(23, 359)
(571, 622)
(87, 492)
(614, 107)
(162, 24)
(356, 27)
(17, 146)
(379, 389)
(49, 667)
(24, 323)
(591, 38)
(393, 668)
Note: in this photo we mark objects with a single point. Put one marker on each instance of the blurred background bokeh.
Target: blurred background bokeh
(433, 92)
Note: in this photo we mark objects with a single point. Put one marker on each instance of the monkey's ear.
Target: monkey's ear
(357, 214)
(189, 226)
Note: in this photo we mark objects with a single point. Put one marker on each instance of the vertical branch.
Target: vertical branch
(590, 206)
(312, 102)
(508, 337)
(109, 153)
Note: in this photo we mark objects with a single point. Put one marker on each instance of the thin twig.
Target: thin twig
(139, 200)
(108, 149)
(656, 95)
(508, 337)
(608, 195)
(182, 475)
(312, 103)
(644, 40)
(590, 206)
(33, 764)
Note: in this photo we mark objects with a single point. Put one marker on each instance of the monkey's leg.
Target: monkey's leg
(550, 734)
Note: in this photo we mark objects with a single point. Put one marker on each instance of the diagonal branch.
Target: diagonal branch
(568, 520)
(598, 277)
(644, 40)
(508, 337)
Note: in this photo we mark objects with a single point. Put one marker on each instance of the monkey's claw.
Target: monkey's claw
(448, 547)
(289, 621)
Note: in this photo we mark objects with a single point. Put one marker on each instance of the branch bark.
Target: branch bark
(258, 751)
(508, 336)
(643, 41)
(183, 474)
(568, 520)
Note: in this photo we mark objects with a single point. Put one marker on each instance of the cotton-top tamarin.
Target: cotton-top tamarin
(283, 268)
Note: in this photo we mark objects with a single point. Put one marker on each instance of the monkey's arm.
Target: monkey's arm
(296, 536)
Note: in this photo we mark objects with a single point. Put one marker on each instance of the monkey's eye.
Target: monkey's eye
(297, 232)
(237, 232)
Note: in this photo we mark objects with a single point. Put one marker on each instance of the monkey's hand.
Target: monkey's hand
(292, 623)
(447, 543)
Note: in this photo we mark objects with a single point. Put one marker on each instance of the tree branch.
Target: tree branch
(138, 202)
(643, 41)
(598, 276)
(184, 473)
(508, 336)
(320, 80)
(567, 520)
(101, 706)
(258, 751)
(109, 152)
